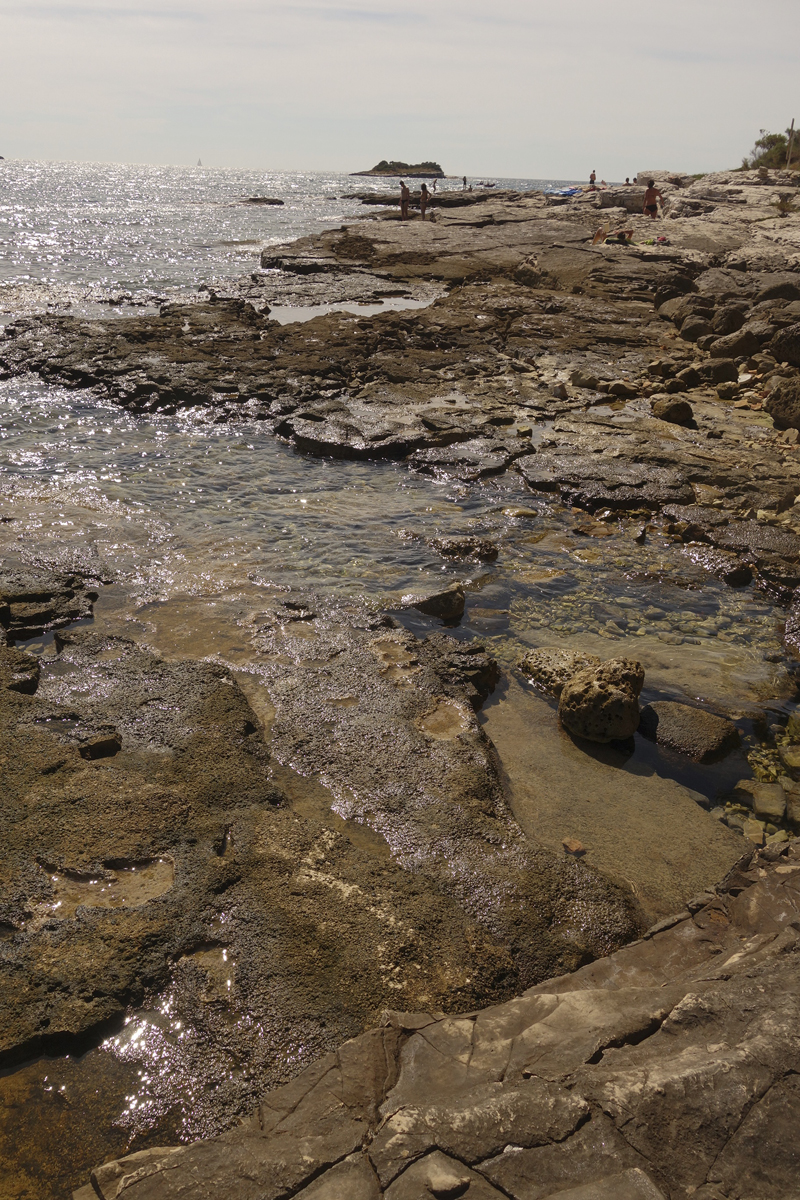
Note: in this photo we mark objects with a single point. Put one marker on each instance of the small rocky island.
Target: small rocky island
(423, 170)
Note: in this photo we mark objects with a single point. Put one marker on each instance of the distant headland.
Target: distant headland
(424, 170)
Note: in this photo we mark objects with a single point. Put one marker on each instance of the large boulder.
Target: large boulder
(786, 345)
(550, 668)
(727, 320)
(734, 345)
(672, 409)
(695, 327)
(785, 289)
(700, 735)
(718, 370)
(783, 404)
(601, 703)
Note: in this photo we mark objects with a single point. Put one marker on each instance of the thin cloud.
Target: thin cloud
(360, 16)
(101, 12)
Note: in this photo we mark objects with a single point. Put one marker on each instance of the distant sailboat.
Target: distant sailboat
(199, 163)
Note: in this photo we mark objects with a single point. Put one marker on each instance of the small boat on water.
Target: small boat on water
(199, 163)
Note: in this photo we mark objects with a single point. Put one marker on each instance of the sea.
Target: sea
(123, 228)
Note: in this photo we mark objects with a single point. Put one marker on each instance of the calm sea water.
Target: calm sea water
(142, 228)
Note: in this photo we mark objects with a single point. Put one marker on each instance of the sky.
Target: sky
(512, 88)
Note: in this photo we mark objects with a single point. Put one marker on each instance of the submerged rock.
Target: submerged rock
(447, 603)
(601, 703)
(700, 735)
(465, 547)
(767, 800)
(791, 636)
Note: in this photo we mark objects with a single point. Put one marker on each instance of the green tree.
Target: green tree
(770, 151)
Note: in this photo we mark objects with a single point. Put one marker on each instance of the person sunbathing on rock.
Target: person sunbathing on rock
(620, 237)
(651, 198)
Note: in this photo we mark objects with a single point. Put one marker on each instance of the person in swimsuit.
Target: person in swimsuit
(651, 198)
(465, 183)
(405, 196)
(592, 179)
(424, 197)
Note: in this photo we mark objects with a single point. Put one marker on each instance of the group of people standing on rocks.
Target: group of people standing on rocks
(405, 199)
(652, 195)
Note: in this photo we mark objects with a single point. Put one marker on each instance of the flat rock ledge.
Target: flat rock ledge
(669, 1069)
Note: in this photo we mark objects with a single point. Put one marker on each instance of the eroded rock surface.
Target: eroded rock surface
(550, 669)
(363, 852)
(270, 917)
(666, 1070)
(601, 703)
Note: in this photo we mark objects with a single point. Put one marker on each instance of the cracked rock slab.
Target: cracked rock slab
(667, 1070)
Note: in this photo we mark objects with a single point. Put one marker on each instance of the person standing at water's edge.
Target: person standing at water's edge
(405, 196)
(593, 178)
(424, 197)
(651, 198)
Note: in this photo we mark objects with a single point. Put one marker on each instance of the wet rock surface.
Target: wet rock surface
(35, 601)
(702, 736)
(198, 877)
(665, 1070)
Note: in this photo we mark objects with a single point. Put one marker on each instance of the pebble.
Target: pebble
(754, 831)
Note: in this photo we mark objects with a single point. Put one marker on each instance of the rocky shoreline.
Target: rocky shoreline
(666, 1070)
(336, 826)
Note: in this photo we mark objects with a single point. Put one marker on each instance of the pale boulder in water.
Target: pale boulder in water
(601, 703)
(550, 668)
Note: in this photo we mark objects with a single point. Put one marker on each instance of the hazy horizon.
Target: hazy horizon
(519, 89)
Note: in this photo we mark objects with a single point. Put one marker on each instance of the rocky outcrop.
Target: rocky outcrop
(426, 170)
(601, 703)
(666, 1070)
(34, 601)
(190, 840)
